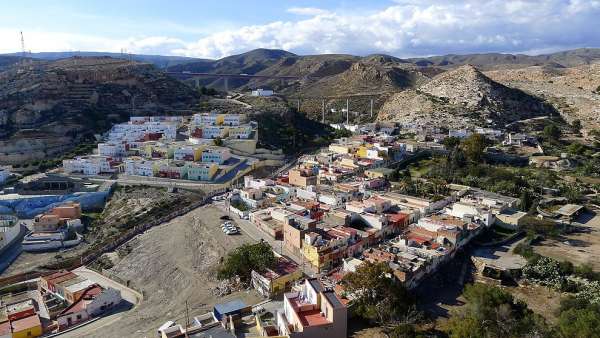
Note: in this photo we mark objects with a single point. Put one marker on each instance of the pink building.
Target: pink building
(312, 312)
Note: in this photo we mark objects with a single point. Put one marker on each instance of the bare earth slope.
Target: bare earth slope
(573, 91)
(462, 97)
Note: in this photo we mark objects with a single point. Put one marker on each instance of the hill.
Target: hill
(49, 107)
(570, 58)
(462, 97)
(160, 61)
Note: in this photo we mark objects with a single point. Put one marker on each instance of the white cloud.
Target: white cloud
(308, 11)
(405, 28)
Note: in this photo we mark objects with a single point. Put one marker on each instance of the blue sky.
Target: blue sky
(217, 28)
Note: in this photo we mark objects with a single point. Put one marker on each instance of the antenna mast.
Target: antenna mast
(22, 45)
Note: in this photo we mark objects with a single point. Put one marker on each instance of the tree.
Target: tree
(474, 146)
(377, 294)
(526, 200)
(241, 261)
(551, 132)
(451, 142)
(579, 322)
(493, 312)
(218, 142)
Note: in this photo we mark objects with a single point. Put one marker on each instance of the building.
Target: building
(188, 153)
(201, 171)
(215, 155)
(9, 231)
(277, 280)
(92, 302)
(57, 216)
(27, 327)
(262, 92)
(302, 177)
(139, 167)
(312, 312)
(89, 165)
(113, 149)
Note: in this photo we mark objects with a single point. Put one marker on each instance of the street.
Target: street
(256, 234)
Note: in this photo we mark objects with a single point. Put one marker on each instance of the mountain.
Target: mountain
(569, 58)
(160, 61)
(460, 98)
(48, 107)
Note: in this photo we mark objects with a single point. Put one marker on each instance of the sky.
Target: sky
(214, 29)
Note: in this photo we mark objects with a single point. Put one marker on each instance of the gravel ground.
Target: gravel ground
(172, 264)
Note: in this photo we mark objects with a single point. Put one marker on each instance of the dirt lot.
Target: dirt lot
(580, 247)
(172, 264)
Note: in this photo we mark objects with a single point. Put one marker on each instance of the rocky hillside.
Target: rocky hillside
(462, 97)
(574, 91)
(48, 107)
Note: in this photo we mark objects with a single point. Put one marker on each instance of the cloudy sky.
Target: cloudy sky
(213, 29)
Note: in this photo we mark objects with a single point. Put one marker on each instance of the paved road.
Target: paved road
(256, 234)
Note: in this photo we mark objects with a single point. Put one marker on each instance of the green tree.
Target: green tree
(494, 313)
(241, 261)
(526, 200)
(218, 142)
(451, 142)
(551, 132)
(474, 146)
(579, 323)
(378, 295)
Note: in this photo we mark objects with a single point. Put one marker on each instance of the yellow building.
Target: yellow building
(277, 280)
(27, 327)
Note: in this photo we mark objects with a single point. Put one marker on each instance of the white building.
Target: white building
(459, 133)
(112, 149)
(140, 167)
(215, 155)
(89, 165)
(262, 92)
(464, 210)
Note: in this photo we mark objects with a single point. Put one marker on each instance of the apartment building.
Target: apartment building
(215, 155)
(312, 312)
(201, 171)
(113, 149)
(89, 165)
(139, 166)
(188, 153)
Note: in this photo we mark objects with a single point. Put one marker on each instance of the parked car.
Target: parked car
(225, 217)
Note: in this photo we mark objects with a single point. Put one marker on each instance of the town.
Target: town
(300, 169)
(324, 215)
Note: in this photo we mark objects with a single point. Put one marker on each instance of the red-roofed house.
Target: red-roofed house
(277, 280)
(93, 301)
(312, 312)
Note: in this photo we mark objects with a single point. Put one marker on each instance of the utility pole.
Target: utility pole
(298, 109)
(187, 318)
(371, 108)
(323, 111)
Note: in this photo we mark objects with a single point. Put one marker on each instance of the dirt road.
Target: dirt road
(169, 265)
